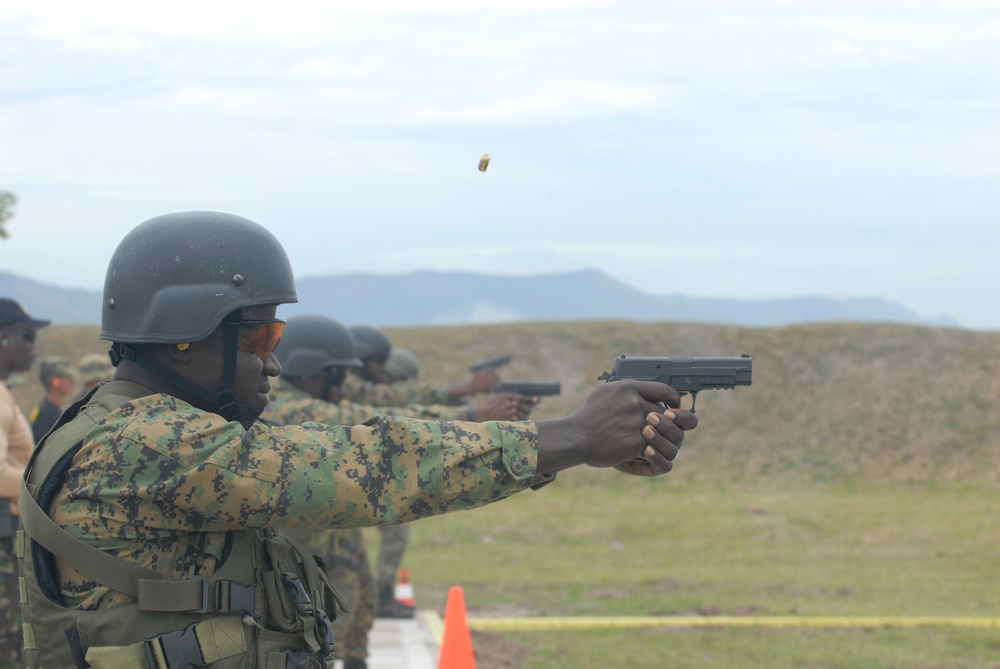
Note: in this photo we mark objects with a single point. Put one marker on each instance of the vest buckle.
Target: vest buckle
(234, 597)
(177, 650)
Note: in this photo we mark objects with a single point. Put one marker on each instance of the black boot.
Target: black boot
(390, 607)
(354, 663)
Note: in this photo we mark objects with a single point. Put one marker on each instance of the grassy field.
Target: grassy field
(858, 476)
(594, 544)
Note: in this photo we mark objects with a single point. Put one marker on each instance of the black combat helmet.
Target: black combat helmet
(311, 344)
(176, 278)
(369, 341)
(402, 365)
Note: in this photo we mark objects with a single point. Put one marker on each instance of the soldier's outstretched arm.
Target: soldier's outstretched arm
(636, 427)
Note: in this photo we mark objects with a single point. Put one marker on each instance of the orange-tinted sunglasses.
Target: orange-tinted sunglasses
(262, 338)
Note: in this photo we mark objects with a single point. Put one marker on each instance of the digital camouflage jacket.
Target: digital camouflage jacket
(291, 406)
(397, 394)
(160, 483)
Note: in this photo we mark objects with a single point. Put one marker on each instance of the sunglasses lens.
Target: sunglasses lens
(262, 338)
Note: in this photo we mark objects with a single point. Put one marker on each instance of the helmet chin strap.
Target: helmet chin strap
(223, 401)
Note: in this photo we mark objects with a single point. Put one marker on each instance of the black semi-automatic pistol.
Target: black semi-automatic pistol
(690, 375)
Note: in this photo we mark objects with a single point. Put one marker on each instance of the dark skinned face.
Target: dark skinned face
(19, 351)
(205, 360)
(374, 369)
(329, 381)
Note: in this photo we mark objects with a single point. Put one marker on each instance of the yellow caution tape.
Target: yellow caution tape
(435, 625)
(620, 622)
(542, 624)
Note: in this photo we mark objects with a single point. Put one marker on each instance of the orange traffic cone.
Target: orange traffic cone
(404, 590)
(456, 642)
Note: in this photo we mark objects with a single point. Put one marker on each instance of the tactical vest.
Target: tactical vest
(269, 606)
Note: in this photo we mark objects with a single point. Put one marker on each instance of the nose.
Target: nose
(271, 366)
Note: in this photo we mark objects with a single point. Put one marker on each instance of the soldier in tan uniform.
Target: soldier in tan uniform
(149, 510)
(17, 352)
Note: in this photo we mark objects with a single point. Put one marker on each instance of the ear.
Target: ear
(179, 352)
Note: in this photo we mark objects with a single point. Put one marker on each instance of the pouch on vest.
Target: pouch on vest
(299, 594)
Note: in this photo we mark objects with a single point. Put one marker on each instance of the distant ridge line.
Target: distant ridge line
(427, 297)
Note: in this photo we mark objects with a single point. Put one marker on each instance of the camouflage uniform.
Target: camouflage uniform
(344, 551)
(392, 544)
(10, 608)
(94, 368)
(160, 483)
(291, 406)
(392, 539)
(397, 394)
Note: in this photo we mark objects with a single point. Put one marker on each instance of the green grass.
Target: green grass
(923, 648)
(597, 544)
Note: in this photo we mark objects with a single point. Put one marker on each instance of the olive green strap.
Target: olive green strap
(154, 591)
(198, 645)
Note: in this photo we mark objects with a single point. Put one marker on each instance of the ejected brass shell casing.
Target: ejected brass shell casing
(484, 162)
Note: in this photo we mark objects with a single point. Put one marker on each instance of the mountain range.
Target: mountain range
(460, 298)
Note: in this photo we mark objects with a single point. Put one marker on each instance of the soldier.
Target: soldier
(17, 351)
(60, 384)
(401, 365)
(314, 354)
(387, 375)
(94, 368)
(368, 384)
(149, 509)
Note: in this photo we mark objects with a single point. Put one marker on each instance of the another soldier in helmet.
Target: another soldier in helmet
(315, 353)
(315, 364)
(368, 383)
(388, 375)
(94, 368)
(402, 365)
(148, 510)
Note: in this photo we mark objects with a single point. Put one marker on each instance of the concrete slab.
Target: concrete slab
(404, 644)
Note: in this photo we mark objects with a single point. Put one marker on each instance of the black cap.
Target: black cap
(11, 313)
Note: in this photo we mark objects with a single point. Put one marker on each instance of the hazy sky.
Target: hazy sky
(712, 148)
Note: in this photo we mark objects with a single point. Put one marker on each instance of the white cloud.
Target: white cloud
(763, 138)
